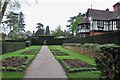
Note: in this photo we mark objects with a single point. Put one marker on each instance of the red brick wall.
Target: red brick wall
(97, 33)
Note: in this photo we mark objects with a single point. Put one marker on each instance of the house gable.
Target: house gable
(102, 21)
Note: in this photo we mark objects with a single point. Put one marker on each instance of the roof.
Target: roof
(102, 14)
(85, 20)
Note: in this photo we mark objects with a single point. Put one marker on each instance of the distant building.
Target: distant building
(100, 21)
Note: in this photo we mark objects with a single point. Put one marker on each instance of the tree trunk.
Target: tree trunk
(0, 17)
(3, 9)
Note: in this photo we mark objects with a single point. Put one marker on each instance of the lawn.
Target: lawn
(18, 54)
(72, 55)
(12, 75)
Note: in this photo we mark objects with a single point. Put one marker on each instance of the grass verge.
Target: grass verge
(93, 75)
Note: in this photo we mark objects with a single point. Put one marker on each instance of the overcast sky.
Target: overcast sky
(57, 12)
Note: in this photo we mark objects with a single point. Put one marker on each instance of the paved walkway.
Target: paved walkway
(45, 66)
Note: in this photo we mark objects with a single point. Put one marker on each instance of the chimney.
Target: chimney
(116, 7)
(107, 9)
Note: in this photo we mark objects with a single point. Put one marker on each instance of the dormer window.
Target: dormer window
(100, 24)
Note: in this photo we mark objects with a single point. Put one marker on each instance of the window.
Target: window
(88, 26)
(100, 24)
(118, 24)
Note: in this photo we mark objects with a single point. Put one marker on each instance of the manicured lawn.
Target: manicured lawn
(12, 75)
(93, 75)
(18, 54)
(73, 55)
(85, 75)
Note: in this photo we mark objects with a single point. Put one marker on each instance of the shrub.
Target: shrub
(108, 62)
(13, 69)
(23, 67)
(20, 69)
(3, 68)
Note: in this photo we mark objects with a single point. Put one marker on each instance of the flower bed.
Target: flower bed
(58, 53)
(15, 64)
(75, 65)
(32, 51)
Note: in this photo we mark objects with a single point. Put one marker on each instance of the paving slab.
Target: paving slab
(45, 66)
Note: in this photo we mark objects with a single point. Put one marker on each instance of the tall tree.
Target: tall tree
(47, 32)
(12, 23)
(39, 26)
(21, 22)
(15, 23)
(40, 30)
(12, 20)
(3, 6)
(74, 21)
(57, 32)
(13, 4)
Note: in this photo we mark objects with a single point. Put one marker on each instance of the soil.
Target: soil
(58, 53)
(13, 61)
(75, 63)
(33, 51)
(54, 50)
(14, 64)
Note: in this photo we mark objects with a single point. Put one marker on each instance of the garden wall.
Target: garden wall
(113, 37)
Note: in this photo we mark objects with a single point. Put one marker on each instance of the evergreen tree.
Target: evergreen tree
(39, 26)
(47, 32)
(40, 30)
(21, 22)
(15, 22)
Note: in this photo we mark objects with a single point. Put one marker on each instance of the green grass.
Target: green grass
(73, 55)
(12, 75)
(18, 53)
(92, 75)
(84, 75)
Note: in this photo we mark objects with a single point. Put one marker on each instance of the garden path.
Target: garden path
(45, 66)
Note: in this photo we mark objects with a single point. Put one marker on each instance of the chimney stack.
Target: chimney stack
(107, 9)
(116, 7)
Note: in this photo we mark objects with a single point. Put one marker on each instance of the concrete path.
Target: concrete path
(45, 66)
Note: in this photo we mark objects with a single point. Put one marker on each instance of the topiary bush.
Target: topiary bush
(108, 62)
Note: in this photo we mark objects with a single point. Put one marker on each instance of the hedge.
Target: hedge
(108, 62)
(49, 40)
(12, 46)
(113, 37)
